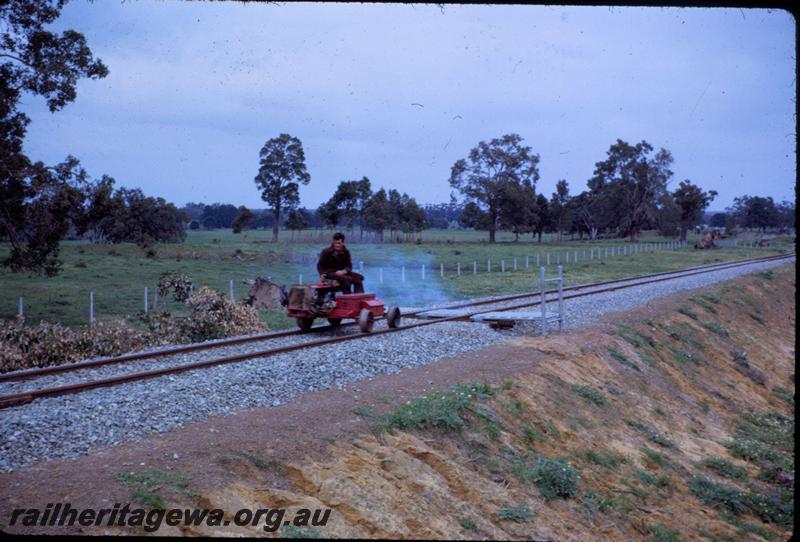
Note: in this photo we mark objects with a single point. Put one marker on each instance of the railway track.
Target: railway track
(14, 399)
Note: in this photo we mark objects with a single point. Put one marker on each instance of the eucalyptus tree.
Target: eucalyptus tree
(282, 169)
(481, 177)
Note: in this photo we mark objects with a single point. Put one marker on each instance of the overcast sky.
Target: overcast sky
(399, 92)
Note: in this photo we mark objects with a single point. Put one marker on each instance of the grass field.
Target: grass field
(117, 274)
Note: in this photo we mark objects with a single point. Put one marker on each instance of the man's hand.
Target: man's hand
(322, 278)
(340, 273)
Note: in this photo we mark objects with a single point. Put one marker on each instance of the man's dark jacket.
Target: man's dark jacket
(331, 261)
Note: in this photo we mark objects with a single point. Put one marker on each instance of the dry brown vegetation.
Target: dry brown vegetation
(674, 428)
(211, 316)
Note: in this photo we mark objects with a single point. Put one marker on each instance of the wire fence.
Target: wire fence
(389, 279)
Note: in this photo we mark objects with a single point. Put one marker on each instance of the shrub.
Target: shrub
(23, 346)
(660, 533)
(440, 409)
(718, 496)
(556, 478)
(520, 514)
(725, 468)
(591, 395)
(651, 433)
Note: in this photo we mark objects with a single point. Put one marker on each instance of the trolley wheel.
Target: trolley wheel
(335, 322)
(305, 323)
(366, 320)
(393, 317)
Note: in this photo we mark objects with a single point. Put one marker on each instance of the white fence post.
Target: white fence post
(548, 259)
(474, 267)
(403, 274)
(488, 266)
(458, 268)
(515, 264)
(145, 299)
(91, 306)
(230, 287)
(21, 312)
(299, 281)
(502, 266)
(441, 270)
(560, 299)
(423, 271)
(526, 262)
(543, 304)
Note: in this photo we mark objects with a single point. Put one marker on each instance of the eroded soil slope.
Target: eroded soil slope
(675, 427)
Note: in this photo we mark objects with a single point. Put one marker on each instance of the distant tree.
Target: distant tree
(194, 225)
(543, 220)
(786, 215)
(296, 221)
(668, 216)
(282, 170)
(560, 210)
(218, 215)
(755, 212)
(101, 208)
(412, 216)
(632, 183)
(243, 220)
(329, 214)
(691, 201)
(396, 204)
(378, 213)
(38, 203)
(518, 209)
(480, 177)
(193, 210)
(144, 220)
(363, 195)
(346, 205)
(718, 220)
(443, 215)
(585, 210)
(474, 217)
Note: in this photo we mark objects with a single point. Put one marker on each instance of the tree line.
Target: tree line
(42, 204)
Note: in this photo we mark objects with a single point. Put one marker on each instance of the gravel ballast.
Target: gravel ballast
(72, 425)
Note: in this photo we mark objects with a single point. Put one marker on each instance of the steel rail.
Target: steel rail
(25, 397)
(194, 347)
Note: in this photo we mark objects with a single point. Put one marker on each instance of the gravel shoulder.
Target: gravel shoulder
(283, 409)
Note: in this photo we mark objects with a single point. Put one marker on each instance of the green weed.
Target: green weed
(713, 327)
(620, 357)
(467, 524)
(653, 457)
(364, 411)
(660, 533)
(786, 395)
(591, 395)
(556, 478)
(604, 459)
(651, 433)
(519, 514)
(440, 409)
(725, 468)
(293, 531)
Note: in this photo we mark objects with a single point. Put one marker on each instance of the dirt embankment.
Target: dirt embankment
(675, 427)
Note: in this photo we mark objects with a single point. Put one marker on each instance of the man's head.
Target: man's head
(338, 240)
